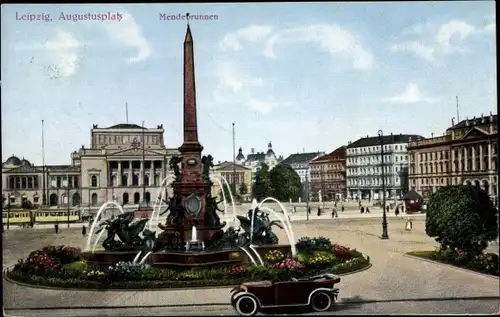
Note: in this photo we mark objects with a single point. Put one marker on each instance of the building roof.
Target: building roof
(16, 161)
(387, 139)
(300, 158)
(240, 155)
(412, 195)
(13, 160)
(260, 156)
(474, 121)
(335, 155)
(125, 126)
(229, 165)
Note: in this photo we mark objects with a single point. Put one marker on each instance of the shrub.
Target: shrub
(64, 254)
(322, 244)
(125, 270)
(341, 252)
(289, 264)
(461, 217)
(306, 244)
(321, 259)
(274, 256)
(74, 270)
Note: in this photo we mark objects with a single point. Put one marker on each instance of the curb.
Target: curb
(165, 289)
(451, 266)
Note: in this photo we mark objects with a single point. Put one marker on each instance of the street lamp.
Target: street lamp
(384, 215)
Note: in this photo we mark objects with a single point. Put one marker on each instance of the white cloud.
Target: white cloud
(129, 33)
(411, 94)
(232, 41)
(437, 43)
(454, 27)
(330, 38)
(236, 87)
(420, 49)
(62, 51)
(491, 26)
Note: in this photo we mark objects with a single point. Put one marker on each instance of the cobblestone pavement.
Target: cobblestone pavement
(394, 284)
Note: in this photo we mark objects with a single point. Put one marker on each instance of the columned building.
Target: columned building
(125, 163)
(466, 154)
(364, 166)
(328, 175)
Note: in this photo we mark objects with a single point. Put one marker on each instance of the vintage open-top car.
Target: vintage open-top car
(318, 292)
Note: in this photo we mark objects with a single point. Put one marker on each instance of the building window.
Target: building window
(93, 181)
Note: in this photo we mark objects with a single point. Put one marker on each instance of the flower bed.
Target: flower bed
(63, 267)
(487, 263)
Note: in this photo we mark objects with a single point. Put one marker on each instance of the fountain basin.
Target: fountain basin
(107, 258)
(185, 260)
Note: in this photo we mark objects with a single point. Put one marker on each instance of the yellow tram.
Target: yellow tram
(18, 217)
(53, 216)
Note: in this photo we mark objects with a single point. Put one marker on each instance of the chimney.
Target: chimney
(483, 119)
(252, 151)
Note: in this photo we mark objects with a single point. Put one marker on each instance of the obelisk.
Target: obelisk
(191, 148)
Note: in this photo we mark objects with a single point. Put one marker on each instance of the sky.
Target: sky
(307, 77)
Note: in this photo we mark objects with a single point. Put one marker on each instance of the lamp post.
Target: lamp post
(8, 211)
(384, 215)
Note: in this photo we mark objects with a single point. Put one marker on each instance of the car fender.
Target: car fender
(238, 295)
(324, 289)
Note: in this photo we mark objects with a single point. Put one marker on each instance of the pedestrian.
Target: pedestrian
(387, 208)
(367, 210)
(56, 228)
(342, 209)
(319, 211)
(84, 230)
(362, 210)
(335, 205)
(294, 209)
(309, 210)
(397, 211)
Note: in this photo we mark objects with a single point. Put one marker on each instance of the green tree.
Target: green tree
(262, 185)
(285, 183)
(243, 189)
(461, 217)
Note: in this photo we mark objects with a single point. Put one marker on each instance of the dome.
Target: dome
(240, 155)
(270, 149)
(25, 162)
(13, 160)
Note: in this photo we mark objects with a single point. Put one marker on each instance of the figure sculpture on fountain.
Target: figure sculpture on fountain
(128, 232)
(208, 162)
(174, 165)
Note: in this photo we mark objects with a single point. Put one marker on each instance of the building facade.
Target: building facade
(328, 175)
(125, 163)
(254, 160)
(364, 166)
(241, 178)
(465, 154)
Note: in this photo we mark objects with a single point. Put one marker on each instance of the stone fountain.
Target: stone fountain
(193, 234)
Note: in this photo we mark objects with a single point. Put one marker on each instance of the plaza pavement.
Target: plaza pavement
(395, 284)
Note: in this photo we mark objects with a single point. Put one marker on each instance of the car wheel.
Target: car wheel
(246, 306)
(321, 301)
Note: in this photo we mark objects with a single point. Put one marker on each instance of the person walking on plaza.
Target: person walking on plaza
(367, 210)
(397, 211)
(342, 208)
(387, 208)
(362, 210)
(319, 211)
(56, 228)
(84, 231)
(309, 210)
